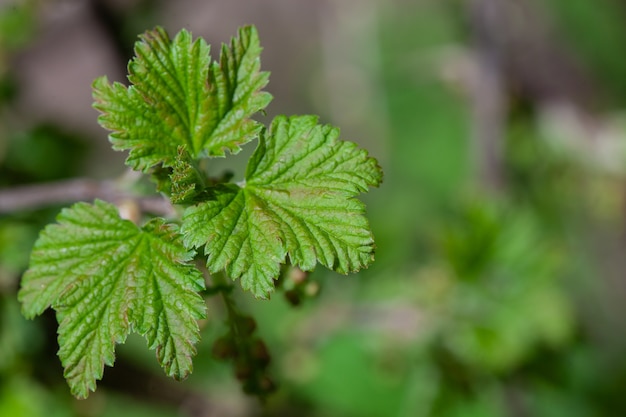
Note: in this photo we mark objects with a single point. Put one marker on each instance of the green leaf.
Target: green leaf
(297, 200)
(105, 277)
(186, 181)
(178, 97)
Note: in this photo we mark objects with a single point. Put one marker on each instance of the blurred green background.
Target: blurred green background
(500, 278)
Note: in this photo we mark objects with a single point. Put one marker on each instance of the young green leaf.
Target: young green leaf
(105, 277)
(297, 200)
(186, 180)
(178, 97)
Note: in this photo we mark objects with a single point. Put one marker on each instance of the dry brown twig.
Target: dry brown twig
(29, 197)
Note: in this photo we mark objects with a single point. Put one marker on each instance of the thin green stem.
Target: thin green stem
(225, 288)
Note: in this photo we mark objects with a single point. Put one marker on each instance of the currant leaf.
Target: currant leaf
(178, 97)
(106, 277)
(297, 201)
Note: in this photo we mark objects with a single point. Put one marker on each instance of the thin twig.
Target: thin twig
(488, 96)
(30, 197)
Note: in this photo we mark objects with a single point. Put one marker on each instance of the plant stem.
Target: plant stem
(31, 197)
(221, 284)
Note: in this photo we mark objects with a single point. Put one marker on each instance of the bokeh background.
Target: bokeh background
(500, 282)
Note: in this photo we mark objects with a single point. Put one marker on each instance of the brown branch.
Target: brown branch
(518, 54)
(490, 105)
(538, 63)
(30, 197)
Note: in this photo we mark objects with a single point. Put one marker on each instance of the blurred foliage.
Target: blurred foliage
(500, 298)
(43, 153)
(478, 305)
(17, 24)
(597, 31)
